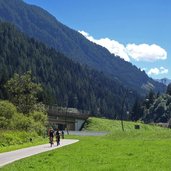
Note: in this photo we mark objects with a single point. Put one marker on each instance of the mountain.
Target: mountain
(65, 83)
(38, 23)
(165, 81)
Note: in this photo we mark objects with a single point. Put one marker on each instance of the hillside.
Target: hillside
(65, 83)
(114, 127)
(41, 25)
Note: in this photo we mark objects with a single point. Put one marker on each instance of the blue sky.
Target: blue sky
(138, 31)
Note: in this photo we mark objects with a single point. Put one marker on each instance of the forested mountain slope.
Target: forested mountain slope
(65, 83)
(41, 25)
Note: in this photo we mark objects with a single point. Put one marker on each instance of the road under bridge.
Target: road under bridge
(66, 118)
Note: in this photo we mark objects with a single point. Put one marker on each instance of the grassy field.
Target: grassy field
(147, 149)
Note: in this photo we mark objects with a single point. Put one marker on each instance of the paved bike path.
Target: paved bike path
(9, 157)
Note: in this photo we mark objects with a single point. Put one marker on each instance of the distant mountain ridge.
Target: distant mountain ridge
(38, 23)
(165, 81)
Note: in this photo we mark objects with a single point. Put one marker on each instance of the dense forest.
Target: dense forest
(65, 83)
(154, 108)
(38, 23)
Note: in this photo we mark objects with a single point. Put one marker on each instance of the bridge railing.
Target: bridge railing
(63, 111)
(70, 110)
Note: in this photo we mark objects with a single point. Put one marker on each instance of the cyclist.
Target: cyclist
(51, 134)
(57, 137)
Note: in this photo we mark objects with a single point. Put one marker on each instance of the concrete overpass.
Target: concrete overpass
(66, 118)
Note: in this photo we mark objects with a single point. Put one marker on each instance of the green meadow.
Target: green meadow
(147, 149)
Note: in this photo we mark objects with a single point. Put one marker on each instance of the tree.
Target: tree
(136, 112)
(169, 89)
(149, 99)
(23, 92)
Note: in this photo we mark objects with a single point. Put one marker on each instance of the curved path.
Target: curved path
(9, 157)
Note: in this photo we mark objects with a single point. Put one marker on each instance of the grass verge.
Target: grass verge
(13, 140)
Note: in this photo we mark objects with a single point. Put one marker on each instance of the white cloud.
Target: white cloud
(141, 52)
(145, 52)
(113, 46)
(157, 71)
(143, 69)
(85, 34)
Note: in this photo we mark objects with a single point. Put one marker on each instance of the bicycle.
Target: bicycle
(51, 141)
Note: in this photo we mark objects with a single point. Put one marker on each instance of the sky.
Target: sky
(136, 30)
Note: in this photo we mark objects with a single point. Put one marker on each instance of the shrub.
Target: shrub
(22, 122)
(39, 121)
(15, 137)
(7, 111)
(11, 119)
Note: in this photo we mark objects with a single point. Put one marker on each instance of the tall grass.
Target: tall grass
(13, 139)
